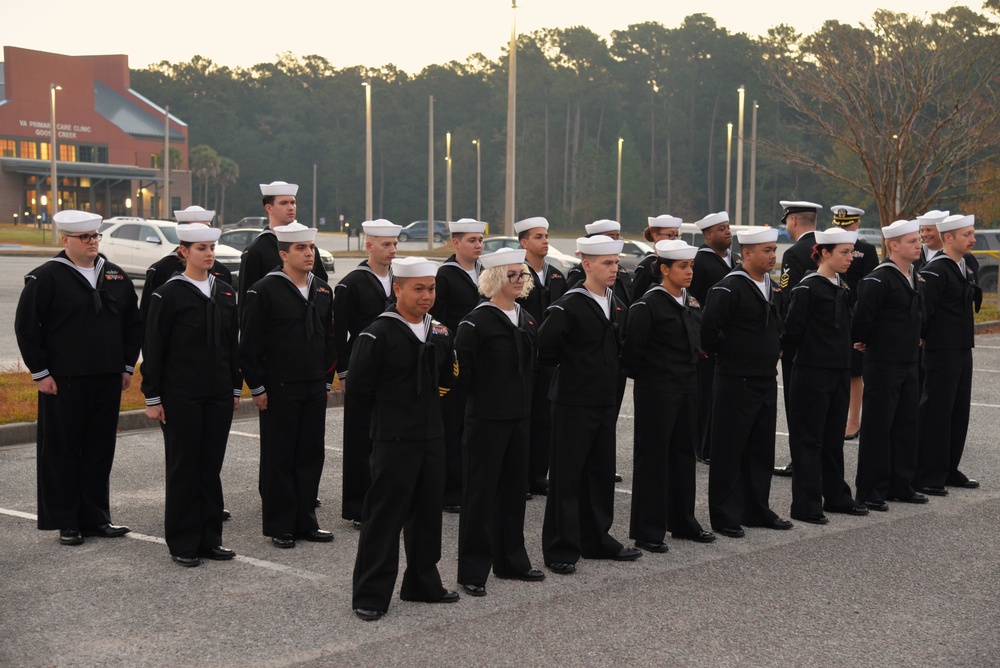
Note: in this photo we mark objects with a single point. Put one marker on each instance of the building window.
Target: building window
(86, 153)
(67, 152)
(102, 155)
(44, 154)
(8, 148)
(29, 149)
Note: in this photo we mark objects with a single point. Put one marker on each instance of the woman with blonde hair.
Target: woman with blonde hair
(495, 347)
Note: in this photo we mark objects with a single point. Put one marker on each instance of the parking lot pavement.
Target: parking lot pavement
(917, 586)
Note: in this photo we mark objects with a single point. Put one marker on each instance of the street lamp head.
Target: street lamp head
(55, 86)
(366, 84)
(475, 142)
(741, 89)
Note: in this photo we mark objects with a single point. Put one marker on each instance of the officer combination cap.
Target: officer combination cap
(956, 222)
(194, 214)
(933, 217)
(503, 256)
(712, 219)
(381, 228)
(197, 232)
(844, 215)
(791, 207)
(295, 233)
(72, 220)
(530, 224)
(602, 226)
(275, 188)
(463, 225)
(900, 228)
(599, 245)
(665, 221)
(757, 235)
(675, 249)
(834, 236)
(413, 267)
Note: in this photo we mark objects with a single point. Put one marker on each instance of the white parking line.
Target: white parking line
(244, 433)
(260, 563)
(986, 405)
(986, 371)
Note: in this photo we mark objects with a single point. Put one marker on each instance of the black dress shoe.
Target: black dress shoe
(531, 575)
(730, 532)
(356, 524)
(880, 506)
(527, 496)
(105, 531)
(933, 491)
(218, 553)
(368, 615)
(453, 509)
(316, 536)
(813, 519)
(618, 478)
(318, 503)
(851, 437)
(562, 568)
(700, 537)
(284, 541)
(226, 515)
(966, 483)
(776, 523)
(539, 491)
(474, 590)
(783, 471)
(853, 509)
(916, 498)
(452, 597)
(627, 554)
(659, 548)
(70, 537)
(187, 559)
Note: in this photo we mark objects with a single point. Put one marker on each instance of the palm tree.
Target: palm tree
(229, 174)
(205, 163)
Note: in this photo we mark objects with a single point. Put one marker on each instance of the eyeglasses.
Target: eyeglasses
(514, 277)
(86, 238)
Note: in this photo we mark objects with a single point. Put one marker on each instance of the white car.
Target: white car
(136, 243)
(556, 257)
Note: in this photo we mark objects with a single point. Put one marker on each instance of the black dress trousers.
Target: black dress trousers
(195, 437)
(491, 527)
(453, 415)
(77, 429)
(357, 458)
(706, 379)
(944, 415)
(292, 456)
(541, 431)
(818, 402)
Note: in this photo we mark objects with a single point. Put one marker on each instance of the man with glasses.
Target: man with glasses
(79, 331)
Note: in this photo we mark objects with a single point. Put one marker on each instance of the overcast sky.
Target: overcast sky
(408, 33)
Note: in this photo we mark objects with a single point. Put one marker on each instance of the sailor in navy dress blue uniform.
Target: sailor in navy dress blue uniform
(79, 331)
(495, 347)
(661, 228)
(359, 298)
(288, 358)
(192, 382)
(457, 294)
(403, 362)
(581, 336)
(660, 352)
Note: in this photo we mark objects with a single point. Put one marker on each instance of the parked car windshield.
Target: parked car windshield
(171, 234)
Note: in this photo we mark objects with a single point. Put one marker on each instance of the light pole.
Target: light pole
(753, 162)
(430, 174)
(479, 181)
(166, 213)
(368, 149)
(729, 162)
(447, 179)
(52, 155)
(508, 216)
(739, 161)
(618, 198)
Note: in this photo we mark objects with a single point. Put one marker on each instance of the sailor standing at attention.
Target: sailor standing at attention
(660, 228)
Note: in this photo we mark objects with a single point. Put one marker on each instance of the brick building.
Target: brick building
(109, 139)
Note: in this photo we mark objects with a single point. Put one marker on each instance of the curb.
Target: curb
(25, 433)
(990, 324)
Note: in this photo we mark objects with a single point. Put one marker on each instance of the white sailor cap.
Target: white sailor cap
(675, 249)
(194, 214)
(791, 207)
(413, 267)
(467, 225)
(665, 220)
(757, 235)
(295, 232)
(197, 232)
(599, 245)
(844, 215)
(900, 228)
(602, 226)
(502, 256)
(834, 236)
(530, 224)
(381, 228)
(956, 222)
(72, 220)
(712, 219)
(278, 188)
(932, 217)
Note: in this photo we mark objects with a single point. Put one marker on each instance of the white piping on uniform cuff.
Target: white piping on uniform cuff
(257, 390)
(129, 369)
(40, 375)
(237, 391)
(342, 375)
(329, 386)
(153, 401)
